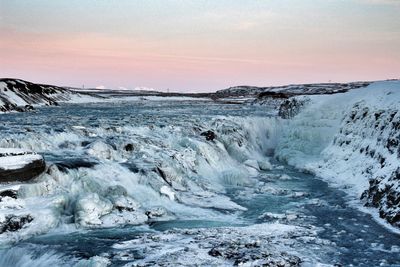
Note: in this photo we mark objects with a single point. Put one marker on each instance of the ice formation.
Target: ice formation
(351, 140)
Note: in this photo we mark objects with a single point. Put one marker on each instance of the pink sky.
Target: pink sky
(204, 50)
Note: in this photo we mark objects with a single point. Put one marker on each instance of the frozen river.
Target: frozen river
(177, 183)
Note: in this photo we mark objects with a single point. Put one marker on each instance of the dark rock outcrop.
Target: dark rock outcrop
(210, 135)
(77, 163)
(385, 195)
(13, 223)
(129, 147)
(8, 193)
(291, 107)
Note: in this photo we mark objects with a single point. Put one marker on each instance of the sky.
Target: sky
(198, 45)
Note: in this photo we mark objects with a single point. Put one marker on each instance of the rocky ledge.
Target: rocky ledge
(20, 165)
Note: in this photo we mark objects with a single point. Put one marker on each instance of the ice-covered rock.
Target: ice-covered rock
(269, 244)
(12, 223)
(209, 135)
(292, 106)
(156, 212)
(102, 150)
(90, 208)
(20, 165)
(265, 165)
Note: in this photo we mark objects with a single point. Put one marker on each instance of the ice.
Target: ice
(140, 167)
(345, 139)
(13, 158)
(168, 192)
(90, 208)
(243, 246)
(24, 257)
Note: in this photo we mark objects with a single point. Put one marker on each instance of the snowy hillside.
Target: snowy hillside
(19, 95)
(353, 141)
(290, 90)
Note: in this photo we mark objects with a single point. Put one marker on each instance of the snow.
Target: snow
(223, 246)
(196, 172)
(90, 208)
(13, 158)
(77, 98)
(155, 98)
(165, 190)
(343, 137)
(12, 96)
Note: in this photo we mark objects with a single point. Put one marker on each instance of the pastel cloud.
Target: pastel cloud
(199, 45)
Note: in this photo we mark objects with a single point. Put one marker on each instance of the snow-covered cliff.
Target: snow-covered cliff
(352, 140)
(19, 95)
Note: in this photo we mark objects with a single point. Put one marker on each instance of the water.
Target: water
(165, 134)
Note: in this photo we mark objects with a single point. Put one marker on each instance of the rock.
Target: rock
(129, 147)
(9, 193)
(12, 223)
(292, 106)
(74, 164)
(90, 208)
(29, 108)
(265, 165)
(384, 195)
(156, 212)
(20, 165)
(249, 253)
(18, 95)
(210, 135)
(124, 203)
(102, 150)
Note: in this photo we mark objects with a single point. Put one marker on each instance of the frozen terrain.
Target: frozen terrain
(19, 95)
(194, 182)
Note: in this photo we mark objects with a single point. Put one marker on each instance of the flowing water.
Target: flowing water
(211, 185)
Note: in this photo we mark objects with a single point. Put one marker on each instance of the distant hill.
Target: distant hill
(20, 95)
(290, 90)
